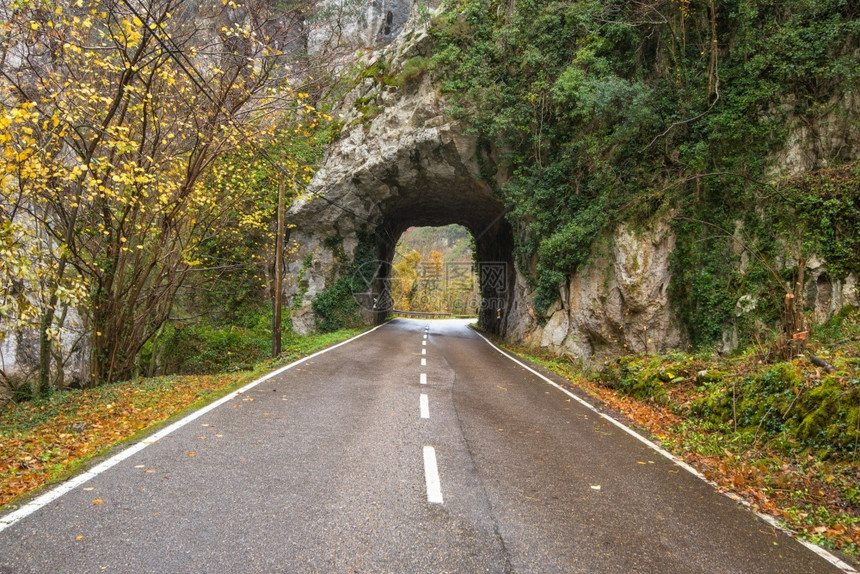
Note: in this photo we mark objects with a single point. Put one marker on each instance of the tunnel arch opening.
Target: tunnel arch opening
(411, 166)
(478, 211)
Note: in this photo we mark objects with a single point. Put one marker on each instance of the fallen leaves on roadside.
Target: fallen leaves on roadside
(98, 502)
(43, 440)
(36, 446)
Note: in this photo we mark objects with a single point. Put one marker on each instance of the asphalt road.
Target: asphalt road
(322, 468)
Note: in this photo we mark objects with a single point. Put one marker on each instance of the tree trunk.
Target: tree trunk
(43, 381)
(712, 63)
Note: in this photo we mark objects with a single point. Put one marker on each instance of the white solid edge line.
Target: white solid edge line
(769, 519)
(431, 476)
(423, 362)
(422, 378)
(69, 485)
(424, 406)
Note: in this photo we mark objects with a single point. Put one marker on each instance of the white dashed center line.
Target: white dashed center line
(423, 362)
(423, 342)
(431, 476)
(423, 351)
(424, 405)
(423, 378)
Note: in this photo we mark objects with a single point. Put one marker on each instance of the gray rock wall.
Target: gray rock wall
(618, 302)
(818, 139)
(19, 352)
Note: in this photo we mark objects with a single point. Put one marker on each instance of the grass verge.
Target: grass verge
(46, 440)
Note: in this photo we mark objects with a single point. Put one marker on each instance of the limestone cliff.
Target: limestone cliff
(618, 302)
(401, 160)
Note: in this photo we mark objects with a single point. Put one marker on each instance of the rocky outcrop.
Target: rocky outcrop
(618, 302)
(376, 23)
(19, 353)
(819, 139)
(826, 295)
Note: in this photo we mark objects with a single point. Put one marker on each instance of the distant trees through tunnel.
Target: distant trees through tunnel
(434, 271)
(446, 249)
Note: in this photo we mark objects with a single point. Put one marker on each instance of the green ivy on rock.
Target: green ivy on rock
(605, 111)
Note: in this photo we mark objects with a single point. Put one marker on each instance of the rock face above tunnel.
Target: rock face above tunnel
(410, 154)
(394, 140)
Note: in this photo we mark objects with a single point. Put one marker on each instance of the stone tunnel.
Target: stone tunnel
(409, 166)
(402, 161)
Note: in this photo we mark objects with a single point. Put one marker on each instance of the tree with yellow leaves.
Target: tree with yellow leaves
(404, 280)
(115, 115)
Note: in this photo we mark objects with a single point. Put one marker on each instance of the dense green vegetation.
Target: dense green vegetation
(207, 345)
(791, 429)
(607, 111)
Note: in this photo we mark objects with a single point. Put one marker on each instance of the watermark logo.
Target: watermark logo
(372, 287)
(450, 287)
(494, 276)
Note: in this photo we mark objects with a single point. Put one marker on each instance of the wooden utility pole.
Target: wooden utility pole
(279, 271)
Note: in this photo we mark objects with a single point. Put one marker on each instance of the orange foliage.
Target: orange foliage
(87, 423)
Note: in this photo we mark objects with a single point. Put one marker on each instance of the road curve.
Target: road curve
(327, 467)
